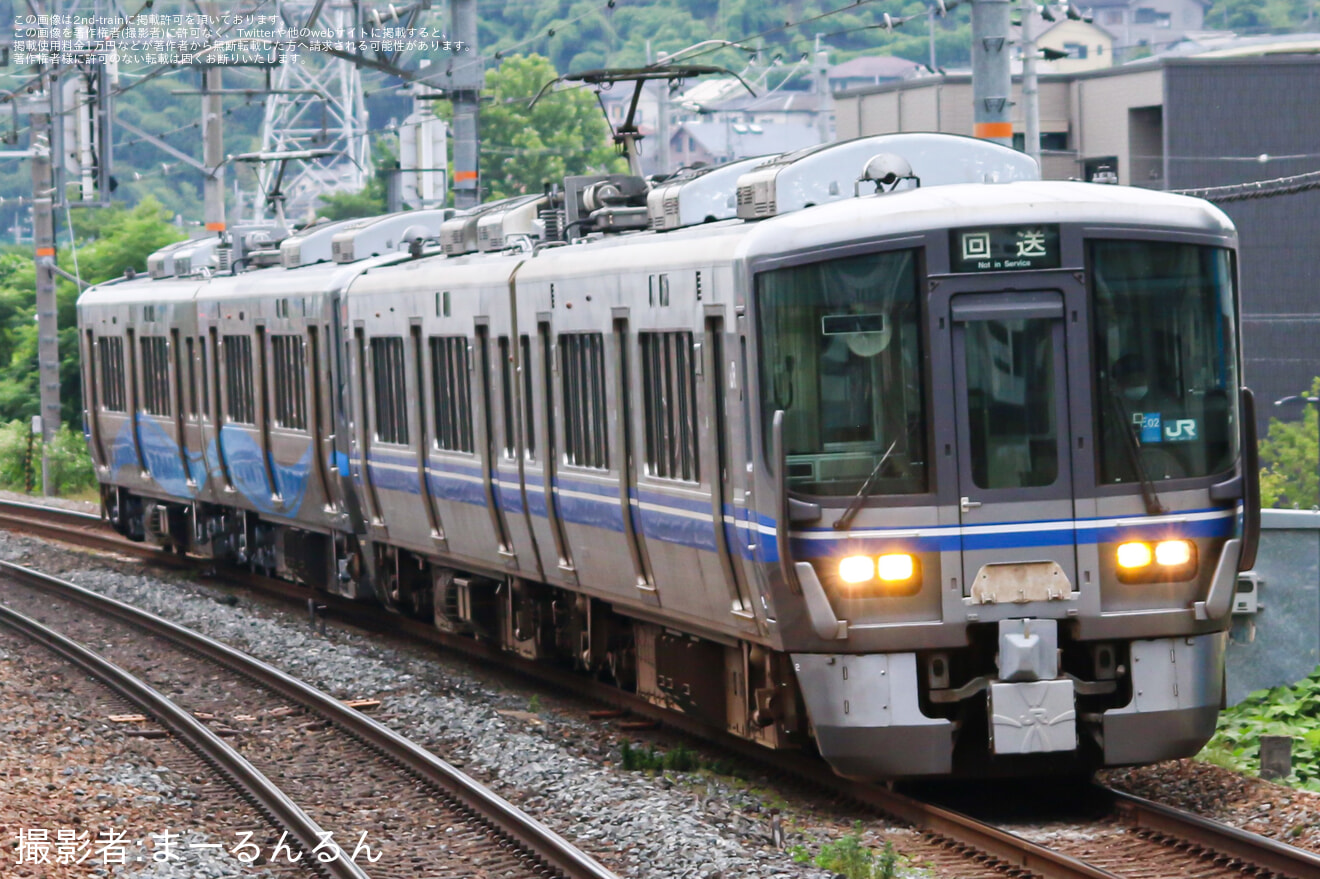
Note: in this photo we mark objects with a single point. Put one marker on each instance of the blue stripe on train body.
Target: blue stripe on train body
(160, 453)
(668, 518)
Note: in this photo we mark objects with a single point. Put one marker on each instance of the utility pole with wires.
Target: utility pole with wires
(1030, 83)
(43, 235)
(991, 80)
(213, 142)
(463, 83)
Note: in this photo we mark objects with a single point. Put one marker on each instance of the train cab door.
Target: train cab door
(1013, 447)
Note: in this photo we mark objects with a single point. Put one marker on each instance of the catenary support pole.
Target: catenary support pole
(43, 235)
(991, 82)
(464, 86)
(1030, 85)
(213, 144)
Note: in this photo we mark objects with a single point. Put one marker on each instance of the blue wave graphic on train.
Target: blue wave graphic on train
(243, 456)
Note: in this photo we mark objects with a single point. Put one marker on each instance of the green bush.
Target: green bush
(20, 460)
(1283, 711)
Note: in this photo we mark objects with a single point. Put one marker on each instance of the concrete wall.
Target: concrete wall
(1280, 644)
(1100, 114)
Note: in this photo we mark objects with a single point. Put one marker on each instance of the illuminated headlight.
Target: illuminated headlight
(1165, 561)
(1133, 555)
(895, 567)
(857, 569)
(1173, 553)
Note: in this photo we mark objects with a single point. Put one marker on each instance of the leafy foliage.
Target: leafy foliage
(1290, 455)
(1255, 16)
(522, 149)
(113, 240)
(849, 858)
(20, 460)
(1284, 711)
(371, 200)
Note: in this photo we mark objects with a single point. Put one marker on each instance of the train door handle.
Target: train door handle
(967, 504)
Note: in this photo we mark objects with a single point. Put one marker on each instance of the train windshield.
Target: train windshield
(1166, 359)
(840, 349)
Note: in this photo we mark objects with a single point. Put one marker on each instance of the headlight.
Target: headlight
(889, 575)
(1162, 562)
(857, 569)
(1173, 553)
(895, 567)
(1133, 555)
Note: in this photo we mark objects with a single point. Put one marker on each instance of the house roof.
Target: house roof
(874, 67)
(739, 139)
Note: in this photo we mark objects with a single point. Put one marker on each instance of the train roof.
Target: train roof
(121, 291)
(715, 243)
(310, 280)
(977, 204)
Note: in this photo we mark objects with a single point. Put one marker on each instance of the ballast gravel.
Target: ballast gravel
(556, 764)
(80, 798)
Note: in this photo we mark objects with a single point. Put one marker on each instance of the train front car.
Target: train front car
(1002, 486)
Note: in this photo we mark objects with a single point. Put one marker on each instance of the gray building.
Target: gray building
(1176, 123)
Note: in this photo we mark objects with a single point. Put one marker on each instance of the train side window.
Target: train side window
(506, 397)
(451, 390)
(241, 407)
(669, 393)
(582, 371)
(290, 381)
(529, 420)
(204, 388)
(192, 378)
(111, 352)
(390, 390)
(155, 375)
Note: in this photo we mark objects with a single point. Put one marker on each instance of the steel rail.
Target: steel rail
(531, 835)
(86, 529)
(231, 765)
(1232, 842)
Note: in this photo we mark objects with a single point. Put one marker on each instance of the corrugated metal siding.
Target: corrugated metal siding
(1245, 108)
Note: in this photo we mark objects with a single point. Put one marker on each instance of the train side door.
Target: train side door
(1013, 449)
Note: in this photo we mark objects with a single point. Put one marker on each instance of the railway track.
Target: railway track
(1138, 838)
(337, 768)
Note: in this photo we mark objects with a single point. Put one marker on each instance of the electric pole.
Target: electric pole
(213, 142)
(1030, 86)
(43, 240)
(991, 80)
(463, 83)
(825, 102)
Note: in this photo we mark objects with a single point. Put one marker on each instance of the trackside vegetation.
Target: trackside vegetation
(1292, 711)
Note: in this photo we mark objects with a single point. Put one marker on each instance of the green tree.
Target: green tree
(1289, 453)
(372, 199)
(521, 149)
(116, 239)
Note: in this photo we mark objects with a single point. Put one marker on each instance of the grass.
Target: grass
(850, 858)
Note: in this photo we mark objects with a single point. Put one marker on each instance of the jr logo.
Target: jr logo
(1181, 430)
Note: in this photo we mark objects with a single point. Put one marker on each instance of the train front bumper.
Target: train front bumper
(868, 719)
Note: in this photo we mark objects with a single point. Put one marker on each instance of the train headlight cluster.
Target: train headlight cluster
(892, 569)
(1143, 562)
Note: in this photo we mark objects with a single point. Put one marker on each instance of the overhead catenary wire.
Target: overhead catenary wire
(1292, 185)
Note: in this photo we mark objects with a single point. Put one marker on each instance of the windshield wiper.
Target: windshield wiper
(1154, 506)
(864, 492)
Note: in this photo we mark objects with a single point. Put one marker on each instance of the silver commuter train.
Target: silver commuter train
(956, 477)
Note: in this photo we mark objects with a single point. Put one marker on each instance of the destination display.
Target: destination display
(1004, 248)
